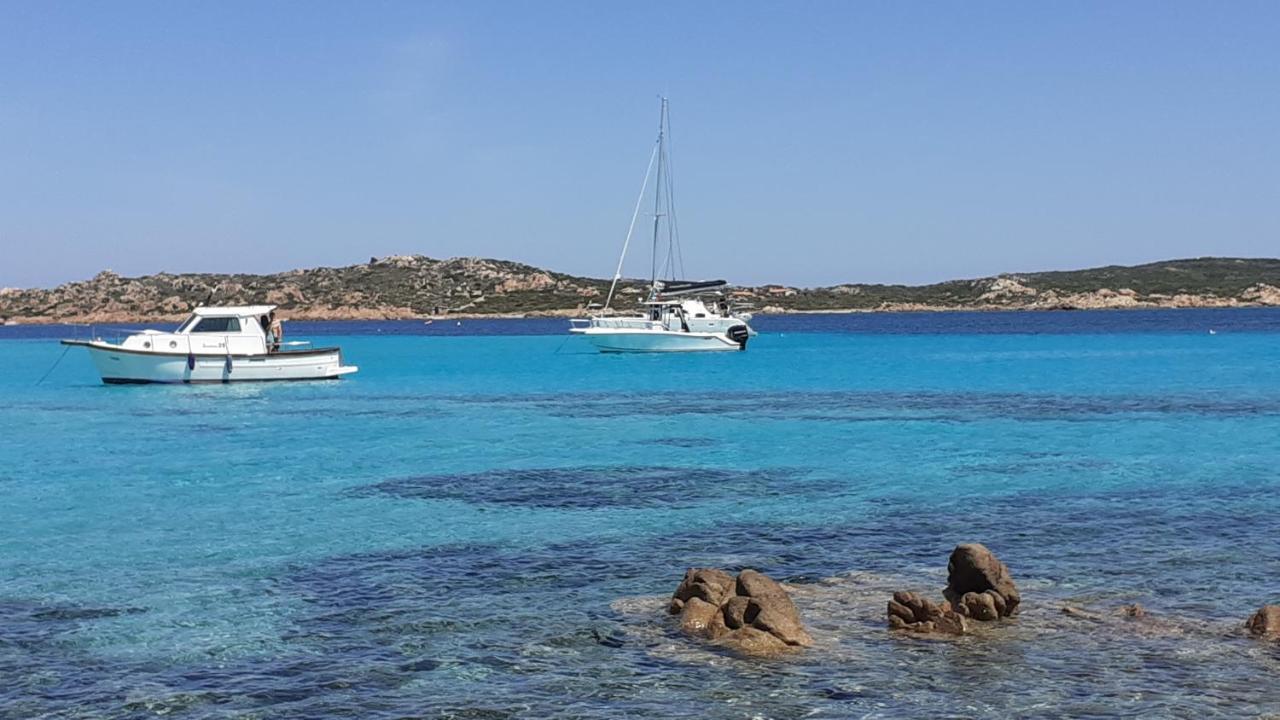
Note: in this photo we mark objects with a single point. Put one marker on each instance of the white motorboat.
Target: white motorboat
(676, 315)
(213, 345)
(670, 323)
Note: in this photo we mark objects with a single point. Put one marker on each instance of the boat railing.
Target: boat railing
(115, 335)
(111, 333)
(626, 323)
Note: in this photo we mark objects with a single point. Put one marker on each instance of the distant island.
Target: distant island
(413, 286)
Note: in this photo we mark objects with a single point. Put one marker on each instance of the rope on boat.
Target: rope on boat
(54, 365)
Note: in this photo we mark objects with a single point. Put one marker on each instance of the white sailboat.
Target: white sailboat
(676, 315)
(213, 345)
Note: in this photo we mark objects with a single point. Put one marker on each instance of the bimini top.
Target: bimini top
(673, 288)
(236, 310)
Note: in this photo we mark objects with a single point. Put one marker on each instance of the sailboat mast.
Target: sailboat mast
(657, 186)
(617, 274)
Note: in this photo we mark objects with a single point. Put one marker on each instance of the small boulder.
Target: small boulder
(998, 602)
(1081, 613)
(913, 612)
(735, 612)
(697, 615)
(781, 619)
(979, 606)
(715, 628)
(751, 613)
(1265, 622)
(750, 641)
(754, 584)
(706, 584)
(973, 570)
(950, 623)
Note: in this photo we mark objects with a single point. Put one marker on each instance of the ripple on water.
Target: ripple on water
(1154, 483)
(43, 666)
(513, 630)
(680, 442)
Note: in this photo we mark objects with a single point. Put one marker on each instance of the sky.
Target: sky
(814, 142)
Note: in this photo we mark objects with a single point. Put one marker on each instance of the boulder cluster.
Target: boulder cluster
(751, 613)
(979, 588)
(754, 615)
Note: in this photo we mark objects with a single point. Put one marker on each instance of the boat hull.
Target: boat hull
(660, 341)
(117, 366)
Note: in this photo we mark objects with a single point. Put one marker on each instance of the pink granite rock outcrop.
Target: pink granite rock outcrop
(979, 588)
(751, 614)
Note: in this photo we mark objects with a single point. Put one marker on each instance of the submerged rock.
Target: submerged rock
(979, 586)
(751, 614)
(1134, 620)
(1265, 622)
(1134, 611)
(1081, 613)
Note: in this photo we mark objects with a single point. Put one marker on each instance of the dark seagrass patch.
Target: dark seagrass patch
(594, 487)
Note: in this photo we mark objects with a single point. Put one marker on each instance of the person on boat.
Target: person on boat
(275, 333)
(265, 322)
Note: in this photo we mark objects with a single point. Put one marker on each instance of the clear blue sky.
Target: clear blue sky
(815, 142)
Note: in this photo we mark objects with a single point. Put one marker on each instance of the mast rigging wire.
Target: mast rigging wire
(635, 214)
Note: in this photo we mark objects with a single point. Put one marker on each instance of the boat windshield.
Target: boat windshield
(186, 324)
(217, 325)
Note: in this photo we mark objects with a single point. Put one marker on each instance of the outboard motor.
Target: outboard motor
(739, 334)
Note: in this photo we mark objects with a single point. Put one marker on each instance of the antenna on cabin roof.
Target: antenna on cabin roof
(208, 298)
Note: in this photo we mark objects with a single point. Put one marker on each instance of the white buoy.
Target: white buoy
(1212, 331)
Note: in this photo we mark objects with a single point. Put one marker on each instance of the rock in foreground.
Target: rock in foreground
(979, 586)
(751, 613)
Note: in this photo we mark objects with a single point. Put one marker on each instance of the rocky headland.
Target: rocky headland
(414, 286)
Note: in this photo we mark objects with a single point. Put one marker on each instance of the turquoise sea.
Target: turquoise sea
(485, 520)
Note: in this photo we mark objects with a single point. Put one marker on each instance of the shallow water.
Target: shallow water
(484, 520)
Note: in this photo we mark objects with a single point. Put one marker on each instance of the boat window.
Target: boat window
(186, 324)
(218, 325)
(700, 315)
